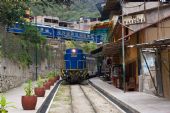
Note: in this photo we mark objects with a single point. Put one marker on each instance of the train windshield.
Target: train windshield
(73, 53)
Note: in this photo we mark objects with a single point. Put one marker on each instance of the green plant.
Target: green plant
(28, 88)
(56, 73)
(50, 75)
(39, 82)
(4, 104)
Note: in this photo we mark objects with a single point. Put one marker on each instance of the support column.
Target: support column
(158, 67)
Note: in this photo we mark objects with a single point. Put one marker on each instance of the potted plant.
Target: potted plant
(29, 101)
(47, 84)
(57, 77)
(51, 78)
(39, 90)
(4, 104)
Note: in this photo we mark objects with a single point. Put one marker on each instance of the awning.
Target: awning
(113, 49)
(162, 43)
(101, 26)
(109, 49)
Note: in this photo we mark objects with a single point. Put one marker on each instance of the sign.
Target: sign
(134, 19)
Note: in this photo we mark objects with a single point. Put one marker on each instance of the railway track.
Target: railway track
(81, 99)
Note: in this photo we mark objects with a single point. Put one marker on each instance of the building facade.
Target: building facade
(146, 31)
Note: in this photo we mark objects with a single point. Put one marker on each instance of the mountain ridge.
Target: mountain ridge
(80, 8)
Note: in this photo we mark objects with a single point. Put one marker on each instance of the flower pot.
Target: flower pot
(58, 77)
(52, 80)
(29, 102)
(47, 85)
(39, 92)
(55, 79)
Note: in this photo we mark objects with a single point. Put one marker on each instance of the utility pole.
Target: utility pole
(36, 61)
(36, 56)
(123, 49)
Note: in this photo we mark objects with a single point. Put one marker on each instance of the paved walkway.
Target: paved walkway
(136, 101)
(14, 95)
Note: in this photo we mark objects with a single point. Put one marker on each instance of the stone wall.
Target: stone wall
(12, 75)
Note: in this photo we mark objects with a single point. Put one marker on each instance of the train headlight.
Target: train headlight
(73, 50)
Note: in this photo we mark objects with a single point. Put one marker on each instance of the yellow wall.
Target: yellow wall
(152, 33)
(131, 54)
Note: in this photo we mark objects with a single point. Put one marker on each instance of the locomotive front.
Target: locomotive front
(75, 65)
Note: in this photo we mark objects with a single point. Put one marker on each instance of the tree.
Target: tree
(63, 2)
(11, 11)
(87, 47)
(32, 34)
(70, 44)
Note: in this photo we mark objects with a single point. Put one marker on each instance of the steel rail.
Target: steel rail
(72, 111)
(91, 103)
(46, 104)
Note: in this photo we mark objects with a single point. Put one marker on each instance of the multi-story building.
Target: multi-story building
(82, 24)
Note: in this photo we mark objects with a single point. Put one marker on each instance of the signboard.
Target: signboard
(134, 19)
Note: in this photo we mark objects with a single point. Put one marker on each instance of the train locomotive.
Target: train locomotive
(75, 70)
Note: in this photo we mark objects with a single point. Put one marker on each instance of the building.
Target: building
(146, 38)
(86, 23)
(46, 20)
(83, 24)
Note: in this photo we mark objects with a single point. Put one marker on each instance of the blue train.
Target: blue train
(75, 69)
(60, 32)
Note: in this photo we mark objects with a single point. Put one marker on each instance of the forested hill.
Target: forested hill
(80, 8)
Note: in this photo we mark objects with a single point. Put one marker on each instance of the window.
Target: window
(47, 20)
(46, 30)
(42, 29)
(73, 55)
(54, 21)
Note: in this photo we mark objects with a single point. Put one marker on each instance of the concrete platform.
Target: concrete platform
(14, 96)
(134, 101)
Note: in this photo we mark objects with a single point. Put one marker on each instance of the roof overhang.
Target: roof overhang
(162, 43)
(97, 52)
(113, 49)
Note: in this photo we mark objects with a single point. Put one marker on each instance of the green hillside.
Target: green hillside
(80, 8)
